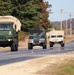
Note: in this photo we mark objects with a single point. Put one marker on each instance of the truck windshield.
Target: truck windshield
(59, 36)
(5, 26)
(53, 36)
(31, 37)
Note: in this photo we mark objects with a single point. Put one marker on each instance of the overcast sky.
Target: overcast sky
(67, 7)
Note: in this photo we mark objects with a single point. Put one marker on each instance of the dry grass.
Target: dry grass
(69, 38)
(65, 67)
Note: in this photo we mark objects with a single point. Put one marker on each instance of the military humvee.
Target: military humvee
(56, 37)
(9, 27)
(37, 37)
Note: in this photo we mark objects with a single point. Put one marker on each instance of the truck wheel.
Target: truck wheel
(62, 44)
(44, 46)
(14, 47)
(51, 45)
(30, 46)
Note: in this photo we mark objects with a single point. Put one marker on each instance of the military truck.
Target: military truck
(56, 37)
(9, 28)
(37, 37)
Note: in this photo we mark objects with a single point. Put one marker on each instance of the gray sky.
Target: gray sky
(67, 7)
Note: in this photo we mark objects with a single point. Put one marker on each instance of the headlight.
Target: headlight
(10, 39)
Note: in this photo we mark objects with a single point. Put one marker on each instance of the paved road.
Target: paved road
(7, 57)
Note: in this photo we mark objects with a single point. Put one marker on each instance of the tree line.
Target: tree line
(31, 13)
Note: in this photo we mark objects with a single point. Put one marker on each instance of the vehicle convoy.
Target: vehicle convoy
(56, 36)
(9, 27)
(37, 37)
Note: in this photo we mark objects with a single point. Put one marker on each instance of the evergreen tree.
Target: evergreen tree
(31, 13)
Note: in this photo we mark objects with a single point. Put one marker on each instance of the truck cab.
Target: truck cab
(9, 27)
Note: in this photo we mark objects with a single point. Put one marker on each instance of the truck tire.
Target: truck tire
(30, 46)
(51, 44)
(44, 46)
(62, 44)
(14, 47)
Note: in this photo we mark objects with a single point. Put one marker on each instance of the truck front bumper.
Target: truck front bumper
(5, 43)
(37, 44)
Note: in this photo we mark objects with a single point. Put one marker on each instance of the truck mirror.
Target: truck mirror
(15, 26)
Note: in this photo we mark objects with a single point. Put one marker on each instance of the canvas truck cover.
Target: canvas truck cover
(37, 31)
(11, 19)
(56, 33)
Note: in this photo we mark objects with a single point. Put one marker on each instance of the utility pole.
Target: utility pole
(61, 21)
(70, 24)
(66, 25)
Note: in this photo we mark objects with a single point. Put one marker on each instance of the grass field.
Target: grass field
(66, 67)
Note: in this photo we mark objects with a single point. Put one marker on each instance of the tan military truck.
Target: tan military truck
(56, 36)
(9, 27)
